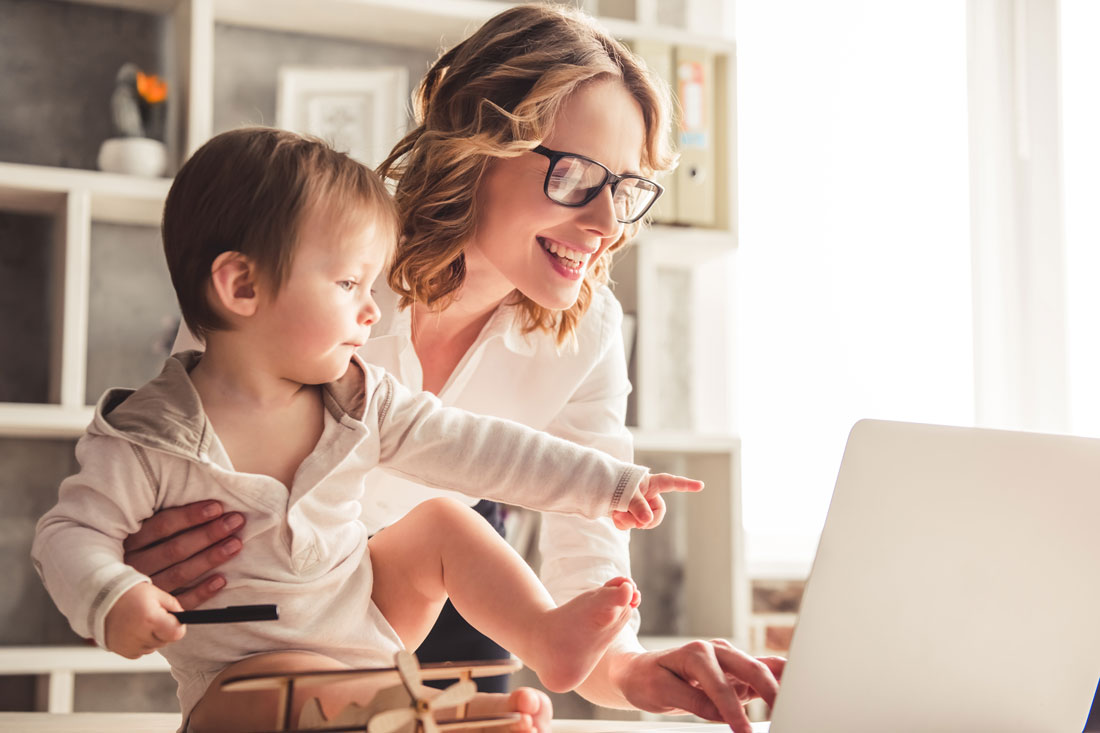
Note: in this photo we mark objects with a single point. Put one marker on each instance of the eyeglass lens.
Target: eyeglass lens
(574, 181)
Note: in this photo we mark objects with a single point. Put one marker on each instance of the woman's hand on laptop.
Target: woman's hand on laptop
(177, 546)
(710, 679)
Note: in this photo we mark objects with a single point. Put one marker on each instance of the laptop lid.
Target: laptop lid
(954, 587)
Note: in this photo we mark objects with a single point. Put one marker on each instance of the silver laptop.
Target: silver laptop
(956, 587)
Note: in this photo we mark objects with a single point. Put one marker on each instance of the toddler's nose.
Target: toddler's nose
(369, 314)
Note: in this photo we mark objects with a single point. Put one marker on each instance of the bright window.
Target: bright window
(1081, 163)
(854, 259)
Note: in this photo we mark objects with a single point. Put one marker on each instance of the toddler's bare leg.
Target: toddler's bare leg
(442, 548)
(259, 710)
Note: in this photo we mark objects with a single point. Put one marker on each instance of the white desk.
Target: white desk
(168, 722)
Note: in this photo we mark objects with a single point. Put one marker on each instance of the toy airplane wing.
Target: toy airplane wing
(444, 726)
(433, 671)
(403, 707)
(357, 717)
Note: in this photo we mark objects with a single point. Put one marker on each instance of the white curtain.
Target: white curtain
(854, 259)
(893, 265)
(1080, 23)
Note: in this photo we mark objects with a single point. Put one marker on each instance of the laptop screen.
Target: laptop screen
(1093, 723)
(951, 559)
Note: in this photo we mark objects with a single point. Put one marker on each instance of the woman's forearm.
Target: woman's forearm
(604, 684)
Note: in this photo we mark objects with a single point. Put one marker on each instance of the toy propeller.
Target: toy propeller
(422, 708)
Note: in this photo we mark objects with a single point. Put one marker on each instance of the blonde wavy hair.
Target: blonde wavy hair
(495, 95)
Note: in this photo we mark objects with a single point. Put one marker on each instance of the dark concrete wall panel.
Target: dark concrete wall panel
(26, 246)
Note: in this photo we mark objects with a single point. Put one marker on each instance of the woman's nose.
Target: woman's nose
(598, 215)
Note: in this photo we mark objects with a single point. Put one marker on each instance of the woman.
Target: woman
(530, 165)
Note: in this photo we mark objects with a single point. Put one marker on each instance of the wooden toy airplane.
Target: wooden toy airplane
(406, 707)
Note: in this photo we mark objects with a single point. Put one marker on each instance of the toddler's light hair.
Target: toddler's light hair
(248, 191)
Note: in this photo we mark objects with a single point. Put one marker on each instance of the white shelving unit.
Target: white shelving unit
(717, 595)
(56, 667)
(74, 198)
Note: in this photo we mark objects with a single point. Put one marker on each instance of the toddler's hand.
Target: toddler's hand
(647, 508)
(140, 622)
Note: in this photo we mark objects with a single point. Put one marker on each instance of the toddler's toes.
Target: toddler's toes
(523, 725)
(535, 706)
(626, 591)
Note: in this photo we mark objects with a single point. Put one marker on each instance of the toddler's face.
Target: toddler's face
(325, 309)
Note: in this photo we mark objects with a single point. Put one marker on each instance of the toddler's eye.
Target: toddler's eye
(347, 284)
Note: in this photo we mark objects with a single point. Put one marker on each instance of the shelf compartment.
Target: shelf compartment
(677, 283)
(63, 61)
(65, 286)
(691, 568)
(248, 63)
(26, 303)
(128, 284)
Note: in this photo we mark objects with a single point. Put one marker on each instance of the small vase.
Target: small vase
(135, 156)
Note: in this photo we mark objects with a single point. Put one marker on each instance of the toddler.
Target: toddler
(273, 241)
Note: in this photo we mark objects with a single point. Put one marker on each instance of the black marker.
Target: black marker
(229, 615)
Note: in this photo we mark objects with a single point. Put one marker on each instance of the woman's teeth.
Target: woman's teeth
(569, 257)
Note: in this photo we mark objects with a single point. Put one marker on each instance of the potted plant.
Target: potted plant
(137, 112)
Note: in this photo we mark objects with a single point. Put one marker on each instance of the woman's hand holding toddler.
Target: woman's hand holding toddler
(647, 508)
(140, 621)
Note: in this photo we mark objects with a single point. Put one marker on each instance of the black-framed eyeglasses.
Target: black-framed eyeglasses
(574, 180)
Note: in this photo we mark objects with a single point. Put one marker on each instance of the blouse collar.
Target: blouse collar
(506, 323)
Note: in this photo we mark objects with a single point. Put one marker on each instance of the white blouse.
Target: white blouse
(577, 394)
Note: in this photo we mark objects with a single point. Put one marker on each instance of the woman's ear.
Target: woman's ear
(234, 279)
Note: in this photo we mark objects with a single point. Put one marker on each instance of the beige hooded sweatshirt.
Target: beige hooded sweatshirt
(305, 548)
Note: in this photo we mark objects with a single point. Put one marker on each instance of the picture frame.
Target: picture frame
(360, 111)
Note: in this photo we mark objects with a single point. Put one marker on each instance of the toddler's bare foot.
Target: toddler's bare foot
(570, 639)
(533, 706)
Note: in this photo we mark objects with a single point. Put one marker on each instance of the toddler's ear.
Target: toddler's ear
(233, 278)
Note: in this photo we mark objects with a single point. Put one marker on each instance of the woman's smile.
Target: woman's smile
(568, 261)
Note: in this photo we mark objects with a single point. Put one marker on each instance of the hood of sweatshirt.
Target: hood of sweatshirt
(166, 413)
